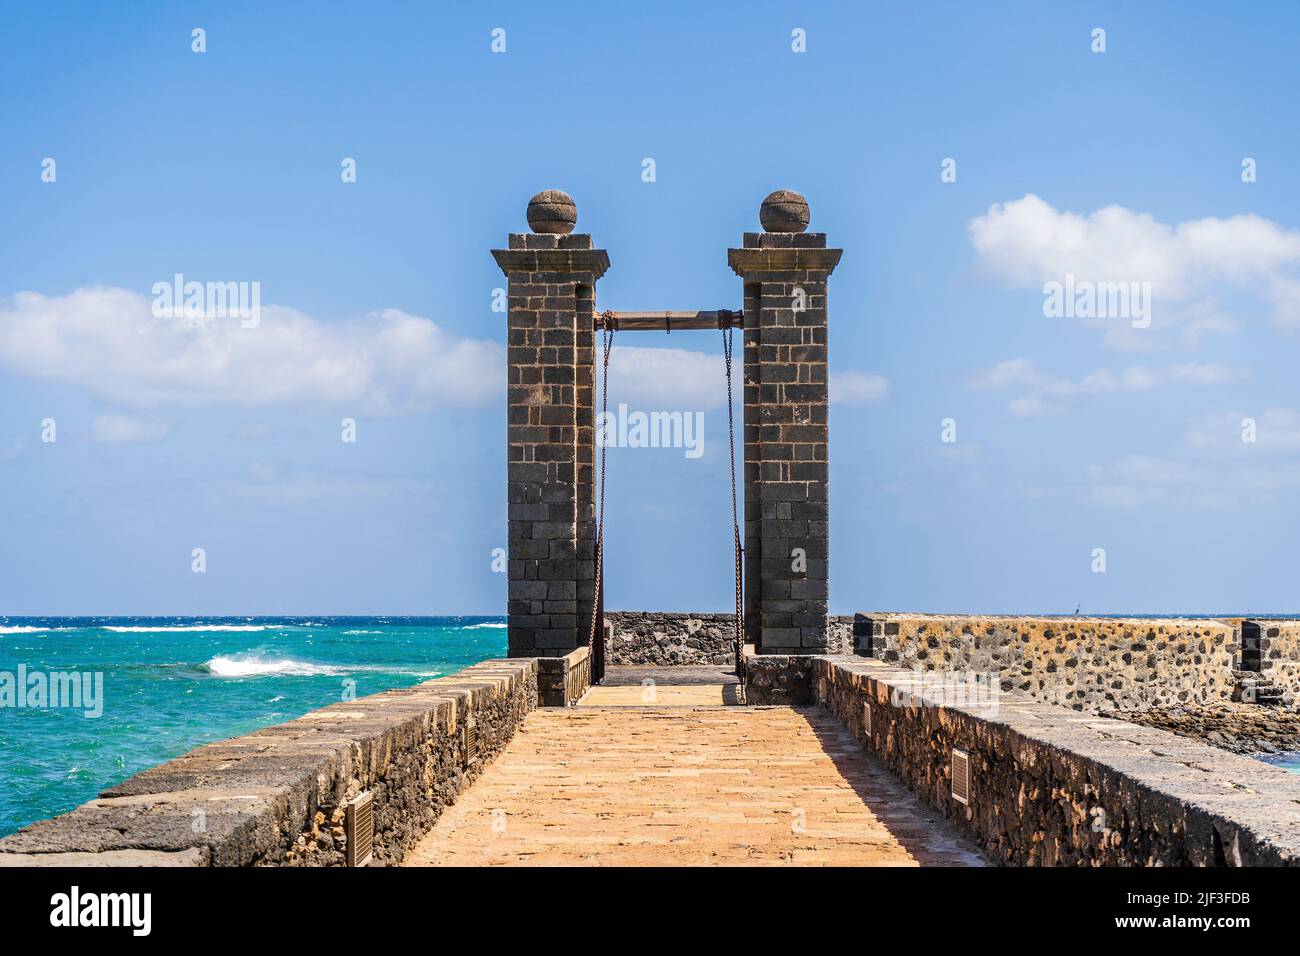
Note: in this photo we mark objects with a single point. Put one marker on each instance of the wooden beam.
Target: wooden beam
(667, 321)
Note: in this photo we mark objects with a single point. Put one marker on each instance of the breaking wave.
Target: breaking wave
(253, 665)
(142, 629)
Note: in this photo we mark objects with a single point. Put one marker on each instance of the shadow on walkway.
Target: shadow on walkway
(922, 830)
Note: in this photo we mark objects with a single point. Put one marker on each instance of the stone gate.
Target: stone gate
(551, 477)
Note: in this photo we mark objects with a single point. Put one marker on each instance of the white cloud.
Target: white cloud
(1142, 481)
(255, 431)
(680, 379)
(269, 484)
(1027, 242)
(655, 379)
(1276, 429)
(109, 340)
(117, 429)
(858, 388)
(1024, 375)
(388, 362)
(1205, 374)
(1033, 406)
(1286, 297)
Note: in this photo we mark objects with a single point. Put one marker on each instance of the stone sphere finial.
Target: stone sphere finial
(552, 211)
(784, 211)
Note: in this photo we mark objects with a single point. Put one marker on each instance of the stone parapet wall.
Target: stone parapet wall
(1279, 657)
(675, 638)
(778, 679)
(1052, 788)
(668, 637)
(274, 797)
(839, 634)
(1084, 663)
(561, 681)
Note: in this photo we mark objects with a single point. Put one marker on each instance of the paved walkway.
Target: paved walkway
(620, 675)
(629, 686)
(687, 785)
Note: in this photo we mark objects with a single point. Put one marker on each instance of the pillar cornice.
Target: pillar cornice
(585, 262)
(749, 262)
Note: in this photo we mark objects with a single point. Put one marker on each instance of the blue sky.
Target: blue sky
(1072, 434)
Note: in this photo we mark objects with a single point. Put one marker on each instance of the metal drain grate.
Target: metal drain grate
(961, 776)
(359, 826)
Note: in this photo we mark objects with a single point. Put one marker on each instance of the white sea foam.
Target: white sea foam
(472, 627)
(134, 629)
(21, 629)
(254, 665)
(363, 632)
(258, 664)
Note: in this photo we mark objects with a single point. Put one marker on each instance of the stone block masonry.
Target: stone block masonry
(552, 275)
(561, 681)
(660, 638)
(1088, 664)
(274, 797)
(1051, 787)
(1279, 657)
(778, 679)
(787, 530)
(551, 439)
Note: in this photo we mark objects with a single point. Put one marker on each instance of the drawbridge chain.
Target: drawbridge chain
(607, 327)
(607, 322)
(735, 519)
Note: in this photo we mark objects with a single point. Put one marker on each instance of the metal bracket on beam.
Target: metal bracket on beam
(669, 321)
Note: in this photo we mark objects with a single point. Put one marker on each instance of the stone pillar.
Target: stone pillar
(785, 271)
(552, 274)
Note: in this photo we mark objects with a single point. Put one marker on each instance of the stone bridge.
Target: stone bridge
(852, 760)
(659, 767)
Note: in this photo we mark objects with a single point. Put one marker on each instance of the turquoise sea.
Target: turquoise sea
(1285, 761)
(171, 684)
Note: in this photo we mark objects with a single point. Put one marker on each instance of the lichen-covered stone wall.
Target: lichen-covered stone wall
(274, 797)
(1279, 654)
(839, 634)
(1084, 663)
(1051, 788)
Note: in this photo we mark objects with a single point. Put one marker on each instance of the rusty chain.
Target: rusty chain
(607, 342)
(727, 346)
